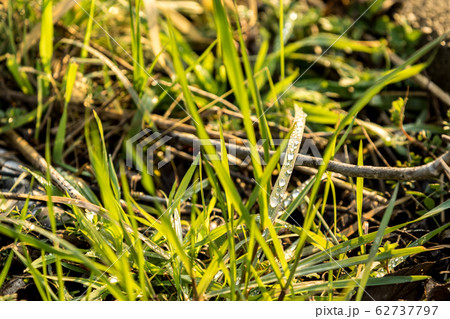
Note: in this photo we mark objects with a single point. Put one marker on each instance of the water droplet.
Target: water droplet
(290, 156)
(295, 193)
(282, 182)
(286, 202)
(289, 171)
(273, 201)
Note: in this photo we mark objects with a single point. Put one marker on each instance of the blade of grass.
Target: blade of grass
(46, 42)
(287, 168)
(41, 285)
(88, 32)
(263, 125)
(229, 220)
(61, 133)
(6, 267)
(20, 77)
(376, 244)
(236, 78)
(359, 195)
(51, 213)
(281, 36)
(22, 120)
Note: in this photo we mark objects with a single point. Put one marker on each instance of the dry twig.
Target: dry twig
(39, 162)
(430, 170)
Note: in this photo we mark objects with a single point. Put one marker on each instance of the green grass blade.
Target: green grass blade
(281, 36)
(6, 267)
(359, 194)
(263, 126)
(46, 42)
(88, 32)
(376, 244)
(287, 168)
(236, 78)
(20, 77)
(61, 133)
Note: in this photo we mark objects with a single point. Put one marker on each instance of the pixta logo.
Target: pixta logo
(135, 150)
(238, 154)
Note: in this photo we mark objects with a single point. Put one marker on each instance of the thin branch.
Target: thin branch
(40, 163)
(56, 200)
(427, 171)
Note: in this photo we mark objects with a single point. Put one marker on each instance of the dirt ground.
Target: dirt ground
(432, 18)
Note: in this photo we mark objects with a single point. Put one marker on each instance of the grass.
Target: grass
(201, 227)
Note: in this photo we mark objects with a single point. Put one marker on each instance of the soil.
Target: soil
(432, 18)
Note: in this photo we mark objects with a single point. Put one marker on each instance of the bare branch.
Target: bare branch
(40, 163)
(430, 170)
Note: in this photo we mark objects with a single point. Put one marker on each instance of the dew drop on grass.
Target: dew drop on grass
(113, 279)
(287, 168)
(287, 202)
(295, 193)
(273, 201)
